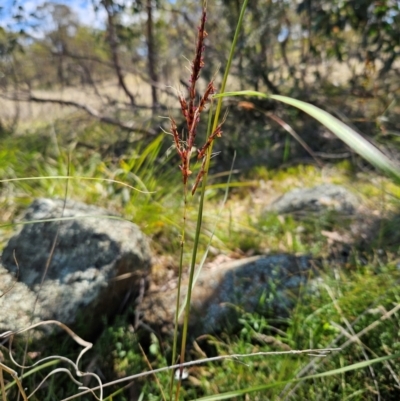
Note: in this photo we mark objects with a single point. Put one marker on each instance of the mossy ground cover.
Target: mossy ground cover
(357, 291)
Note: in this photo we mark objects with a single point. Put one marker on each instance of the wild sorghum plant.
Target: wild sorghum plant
(192, 109)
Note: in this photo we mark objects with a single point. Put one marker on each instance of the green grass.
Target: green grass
(352, 305)
(362, 289)
(362, 298)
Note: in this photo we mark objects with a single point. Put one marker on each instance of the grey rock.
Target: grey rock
(265, 284)
(16, 303)
(97, 260)
(316, 199)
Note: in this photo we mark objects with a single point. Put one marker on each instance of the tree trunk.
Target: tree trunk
(151, 55)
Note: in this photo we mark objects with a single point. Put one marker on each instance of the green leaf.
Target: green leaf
(352, 138)
(355, 366)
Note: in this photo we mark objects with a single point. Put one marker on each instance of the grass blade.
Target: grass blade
(355, 366)
(352, 138)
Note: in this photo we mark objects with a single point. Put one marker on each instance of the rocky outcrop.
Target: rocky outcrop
(78, 261)
(316, 199)
(265, 284)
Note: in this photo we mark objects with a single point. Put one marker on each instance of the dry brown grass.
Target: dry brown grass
(32, 114)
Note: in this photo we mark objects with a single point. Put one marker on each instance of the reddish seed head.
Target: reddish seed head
(191, 113)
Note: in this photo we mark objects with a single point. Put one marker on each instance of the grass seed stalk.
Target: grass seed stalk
(184, 144)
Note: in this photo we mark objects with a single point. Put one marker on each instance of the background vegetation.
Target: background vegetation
(94, 100)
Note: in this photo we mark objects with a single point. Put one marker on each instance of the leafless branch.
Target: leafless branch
(130, 69)
(87, 58)
(89, 110)
(93, 112)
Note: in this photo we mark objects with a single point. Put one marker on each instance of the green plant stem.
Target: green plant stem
(178, 295)
(202, 194)
(226, 74)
